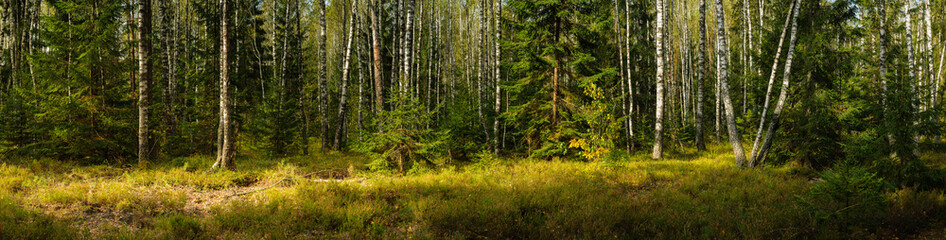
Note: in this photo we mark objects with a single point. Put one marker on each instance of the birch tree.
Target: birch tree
(627, 78)
(722, 75)
(144, 83)
(658, 120)
(911, 72)
(343, 103)
(701, 69)
(931, 79)
(497, 15)
(759, 156)
(323, 70)
(227, 140)
(753, 155)
(882, 71)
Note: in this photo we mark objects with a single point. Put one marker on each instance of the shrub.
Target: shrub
(847, 197)
(405, 139)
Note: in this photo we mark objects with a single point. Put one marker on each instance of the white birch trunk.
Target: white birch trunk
(340, 130)
(144, 84)
(786, 77)
(658, 120)
(227, 153)
(700, 72)
(734, 138)
(753, 155)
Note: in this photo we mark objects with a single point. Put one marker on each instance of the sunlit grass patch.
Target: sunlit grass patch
(14, 178)
(182, 177)
(684, 196)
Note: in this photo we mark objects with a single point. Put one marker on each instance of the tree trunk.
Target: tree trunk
(171, 86)
(376, 54)
(144, 84)
(408, 43)
(701, 69)
(934, 89)
(340, 130)
(911, 72)
(496, 67)
(748, 53)
(658, 121)
(480, 73)
(226, 154)
(303, 94)
(754, 154)
(323, 86)
(882, 71)
(786, 77)
(619, 42)
(362, 68)
(627, 78)
(723, 48)
(939, 70)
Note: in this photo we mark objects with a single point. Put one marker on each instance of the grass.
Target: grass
(686, 196)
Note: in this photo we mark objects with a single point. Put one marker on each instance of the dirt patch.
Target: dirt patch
(200, 202)
(335, 173)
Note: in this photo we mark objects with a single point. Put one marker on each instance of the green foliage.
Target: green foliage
(404, 139)
(75, 106)
(560, 95)
(847, 197)
(810, 135)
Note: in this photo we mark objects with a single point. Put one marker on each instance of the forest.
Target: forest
(472, 119)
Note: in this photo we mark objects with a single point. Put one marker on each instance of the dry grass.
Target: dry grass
(688, 195)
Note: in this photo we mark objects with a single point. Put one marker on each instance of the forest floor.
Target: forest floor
(332, 196)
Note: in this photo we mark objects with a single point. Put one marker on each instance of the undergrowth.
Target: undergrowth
(689, 196)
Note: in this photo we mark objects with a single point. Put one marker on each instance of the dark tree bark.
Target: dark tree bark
(376, 55)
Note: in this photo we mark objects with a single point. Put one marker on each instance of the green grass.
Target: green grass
(686, 196)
